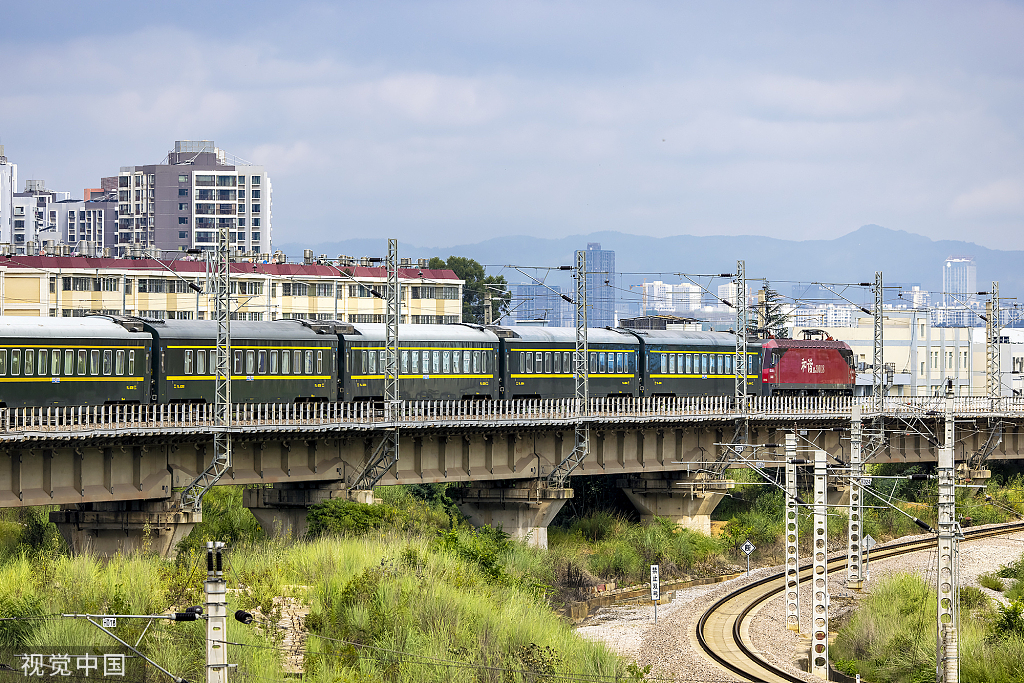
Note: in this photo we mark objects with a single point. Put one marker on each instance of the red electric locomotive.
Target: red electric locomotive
(810, 366)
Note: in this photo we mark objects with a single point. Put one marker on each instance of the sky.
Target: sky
(442, 123)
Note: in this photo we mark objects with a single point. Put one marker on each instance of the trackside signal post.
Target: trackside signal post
(792, 539)
(855, 515)
(819, 577)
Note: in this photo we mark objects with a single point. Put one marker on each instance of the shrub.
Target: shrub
(337, 517)
(991, 581)
(972, 598)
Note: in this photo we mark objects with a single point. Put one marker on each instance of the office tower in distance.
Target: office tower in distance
(601, 287)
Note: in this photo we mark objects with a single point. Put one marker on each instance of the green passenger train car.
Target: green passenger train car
(536, 362)
(282, 361)
(72, 361)
(681, 363)
(436, 362)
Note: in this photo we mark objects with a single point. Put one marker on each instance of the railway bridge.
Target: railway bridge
(116, 471)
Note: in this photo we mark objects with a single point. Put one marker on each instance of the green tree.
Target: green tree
(773, 313)
(478, 285)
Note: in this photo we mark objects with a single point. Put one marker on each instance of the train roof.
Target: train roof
(804, 344)
(567, 335)
(688, 338)
(90, 326)
(460, 333)
(275, 330)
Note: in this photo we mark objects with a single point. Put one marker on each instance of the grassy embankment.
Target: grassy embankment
(398, 592)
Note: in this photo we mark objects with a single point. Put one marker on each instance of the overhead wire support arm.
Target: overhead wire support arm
(581, 445)
(385, 456)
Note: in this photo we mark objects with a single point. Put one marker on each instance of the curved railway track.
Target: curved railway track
(722, 629)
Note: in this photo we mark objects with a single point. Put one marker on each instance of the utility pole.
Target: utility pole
(819, 577)
(993, 330)
(581, 372)
(878, 363)
(386, 454)
(216, 615)
(855, 514)
(740, 363)
(947, 647)
(192, 497)
(792, 539)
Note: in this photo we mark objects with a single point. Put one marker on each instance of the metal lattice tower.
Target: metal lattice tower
(819, 577)
(740, 363)
(581, 372)
(792, 539)
(855, 517)
(947, 654)
(192, 497)
(878, 362)
(993, 330)
(385, 456)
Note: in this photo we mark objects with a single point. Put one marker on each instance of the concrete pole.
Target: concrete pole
(792, 540)
(947, 670)
(819, 603)
(855, 531)
(216, 615)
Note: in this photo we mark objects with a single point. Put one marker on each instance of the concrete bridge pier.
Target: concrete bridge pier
(687, 500)
(522, 509)
(281, 509)
(105, 529)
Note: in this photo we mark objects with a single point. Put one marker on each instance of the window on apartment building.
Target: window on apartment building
(182, 234)
(935, 360)
(963, 359)
(241, 222)
(324, 289)
(226, 195)
(949, 360)
(122, 181)
(205, 180)
(53, 285)
(226, 181)
(255, 222)
(182, 178)
(206, 195)
(255, 194)
(241, 180)
(241, 208)
(19, 224)
(255, 208)
(205, 237)
(255, 180)
(255, 237)
(182, 220)
(241, 195)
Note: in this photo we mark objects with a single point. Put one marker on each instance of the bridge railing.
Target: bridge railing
(267, 416)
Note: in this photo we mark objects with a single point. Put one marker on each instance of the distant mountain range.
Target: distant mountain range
(903, 257)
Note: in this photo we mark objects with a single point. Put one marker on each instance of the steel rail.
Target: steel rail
(724, 642)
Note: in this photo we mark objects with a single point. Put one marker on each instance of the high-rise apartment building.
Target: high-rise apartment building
(670, 298)
(8, 186)
(35, 217)
(600, 286)
(181, 203)
(959, 281)
(538, 302)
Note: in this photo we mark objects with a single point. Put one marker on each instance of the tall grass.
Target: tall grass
(891, 637)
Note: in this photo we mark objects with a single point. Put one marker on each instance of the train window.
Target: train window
(119, 361)
(250, 362)
(435, 368)
(54, 362)
(405, 362)
(446, 362)
(309, 362)
(426, 362)
(30, 359)
(131, 362)
(522, 362)
(108, 361)
(297, 362)
(16, 362)
(689, 363)
(476, 362)
(618, 363)
(547, 362)
(703, 363)
(728, 365)
(188, 362)
(319, 362)
(69, 362)
(673, 361)
(382, 353)
(286, 361)
(415, 362)
(274, 355)
(366, 362)
(663, 367)
(457, 362)
(200, 362)
(529, 362)
(94, 362)
(3, 361)
(238, 363)
(41, 356)
(721, 364)
(372, 369)
(261, 362)
(557, 369)
(80, 363)
(631, 362)
(593, 363)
